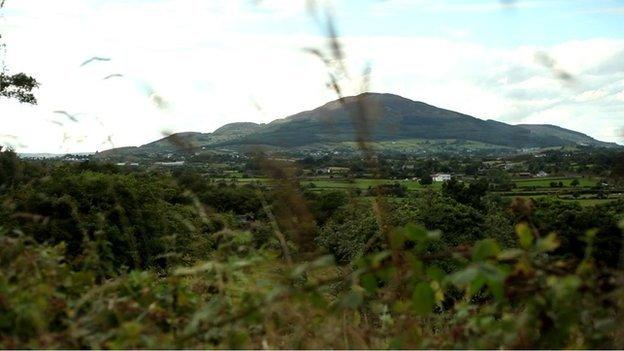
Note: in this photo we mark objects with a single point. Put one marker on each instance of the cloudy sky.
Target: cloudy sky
(194, 65)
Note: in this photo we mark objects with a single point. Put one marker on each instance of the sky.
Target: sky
(195, 65)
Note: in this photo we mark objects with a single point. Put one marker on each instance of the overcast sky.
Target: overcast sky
(194, 65)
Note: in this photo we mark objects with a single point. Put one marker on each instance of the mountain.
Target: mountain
(387, 120)
(238, 128)
(565, 134)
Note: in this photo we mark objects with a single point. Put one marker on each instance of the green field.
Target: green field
(592, 202)
(328, 183)
(365, 183)
(545, 182)
(581, 201)
(324, 183)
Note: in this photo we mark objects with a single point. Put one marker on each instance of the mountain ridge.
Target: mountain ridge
(378, 118)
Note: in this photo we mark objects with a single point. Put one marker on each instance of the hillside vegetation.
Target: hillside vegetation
(389, 120)
(98, 256)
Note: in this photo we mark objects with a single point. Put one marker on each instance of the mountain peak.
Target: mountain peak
(390, 118)
(237, 127)
(379, 98)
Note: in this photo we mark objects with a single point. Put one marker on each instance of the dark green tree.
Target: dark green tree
(426, 180)
(17, 86)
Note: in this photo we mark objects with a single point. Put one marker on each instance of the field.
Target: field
(411, 185)
(523, 190)
(364, 183)
(545, 182)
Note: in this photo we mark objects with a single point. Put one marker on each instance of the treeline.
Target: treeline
(585, 161)
(97, 256)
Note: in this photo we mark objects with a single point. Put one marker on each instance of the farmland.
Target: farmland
(535, 188)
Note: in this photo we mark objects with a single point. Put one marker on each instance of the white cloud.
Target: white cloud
(213, 68)
(591, 95)
(390, 7)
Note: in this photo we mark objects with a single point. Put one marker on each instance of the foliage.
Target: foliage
(346, 234)
(459, 223)
(130, 221)
(95, 257)
(426, 180)
(571, 221)
(18, 86)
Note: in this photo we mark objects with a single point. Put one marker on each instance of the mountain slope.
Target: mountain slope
(566, 134)
(238, 128)
(390, 117)
(372, 117)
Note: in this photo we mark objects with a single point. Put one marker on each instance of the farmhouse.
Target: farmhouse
(441, 177)
(170, 164)
(541, 174)
(334, 170)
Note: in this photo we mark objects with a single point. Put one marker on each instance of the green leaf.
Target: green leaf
(323, 261)
(495, 277)
(396, 344)
(434, 235)
(369, 282)
(464, 277)
(416, 264)
(415, 233)
(564, 286)
(497, 289)
(435, 273)
(299, 270)
(377, 258)
(525, 235)
(485, 249)
(477, 283)
(397, 239)
(510, 254)
(318, 300)
(423, 299)
(547, 243)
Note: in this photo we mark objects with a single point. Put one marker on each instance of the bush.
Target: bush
(347, 232)
(134, 221)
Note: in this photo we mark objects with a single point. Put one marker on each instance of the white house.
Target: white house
(441, 177)
(541, 174)
(170, 164)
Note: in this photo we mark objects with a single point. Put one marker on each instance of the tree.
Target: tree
(18, 86)
(326, 203)
(347, 233)
(575, 183)
(468, 195)
(10, 168)
(500, 180)
(426, 180)
(617, 171)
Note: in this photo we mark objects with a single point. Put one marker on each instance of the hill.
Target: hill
(383, 119)
(566, 134)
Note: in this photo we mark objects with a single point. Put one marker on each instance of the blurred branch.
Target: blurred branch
(18, 86)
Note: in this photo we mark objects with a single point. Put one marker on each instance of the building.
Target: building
(169, 164)
(541, 174)
(335, 170)
(441, 177)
